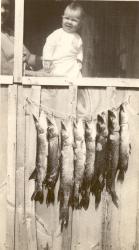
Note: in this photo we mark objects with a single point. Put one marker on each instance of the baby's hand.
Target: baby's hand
(47, 65)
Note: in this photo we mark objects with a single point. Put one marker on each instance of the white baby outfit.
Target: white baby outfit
(64, 49)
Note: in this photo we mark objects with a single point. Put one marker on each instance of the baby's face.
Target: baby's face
(71, 20)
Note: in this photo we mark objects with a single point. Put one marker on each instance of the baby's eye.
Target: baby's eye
(67, 18)
(74, 20)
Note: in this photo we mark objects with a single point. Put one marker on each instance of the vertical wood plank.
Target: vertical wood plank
(67, 232)
(87, 225)
(48, 226)
(3, 163)
(11, 164)
(47, 217)
(128, 192)
(137, 215)
(106, 201)
(20, 226)
(0, 38)
(18, 42)
(121, 233)
(30, 161)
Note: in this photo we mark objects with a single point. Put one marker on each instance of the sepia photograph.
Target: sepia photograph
(69, 125)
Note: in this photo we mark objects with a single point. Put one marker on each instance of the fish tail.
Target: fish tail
(38, 196)
(121, 176)
(64, 217)
(50, 196)
(33, 175)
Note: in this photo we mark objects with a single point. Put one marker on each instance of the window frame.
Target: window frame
(19, 78)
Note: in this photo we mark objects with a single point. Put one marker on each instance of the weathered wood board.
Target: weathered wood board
(26, 225)
(3, 162)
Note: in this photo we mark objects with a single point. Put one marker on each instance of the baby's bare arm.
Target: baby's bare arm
(47, 65)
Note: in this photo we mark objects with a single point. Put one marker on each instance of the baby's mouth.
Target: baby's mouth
(68, 26)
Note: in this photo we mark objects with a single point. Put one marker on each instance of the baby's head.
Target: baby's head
(72, 18)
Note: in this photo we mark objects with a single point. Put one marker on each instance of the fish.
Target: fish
(40, 171)
(125, 146)
(90, 139)
(113, 154)
(79, 160)
(53, 160)
(98, 179)
(66, 171)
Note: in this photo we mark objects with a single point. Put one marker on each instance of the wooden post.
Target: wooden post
(30, 161)
(18, 42)
(20, 226)
(11, 165)
(0, 39)
(3, 163)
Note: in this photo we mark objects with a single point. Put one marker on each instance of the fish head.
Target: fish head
(90, 129)
(102, 124)
(113, 123)
(67, 131)
(79, 130)
(123, 114)
(42, 125)
(52, 128)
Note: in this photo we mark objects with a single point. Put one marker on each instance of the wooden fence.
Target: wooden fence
(26, 225)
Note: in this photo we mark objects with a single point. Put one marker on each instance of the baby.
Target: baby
(63, 52)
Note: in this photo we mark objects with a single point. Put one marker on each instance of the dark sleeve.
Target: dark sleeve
(32, 60)
(28, 57)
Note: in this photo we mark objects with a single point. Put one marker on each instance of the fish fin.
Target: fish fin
(38, 196)
(93, 185)
(35, 120)
(50, 197)
(71, 202)
(84, 202)
(60, 196)
(76, 203)
(33, 175)
(75, 124)
(121, 176)
(50, 120)
(115, 198)
(100, 118)
(64, 217)
(63, 125)
(97, 199)
(130, 148)
(86, 124)
(45, 181)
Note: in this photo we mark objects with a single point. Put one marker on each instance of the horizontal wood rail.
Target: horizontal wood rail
(65, 82)
(83, 82)
(6, 80)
